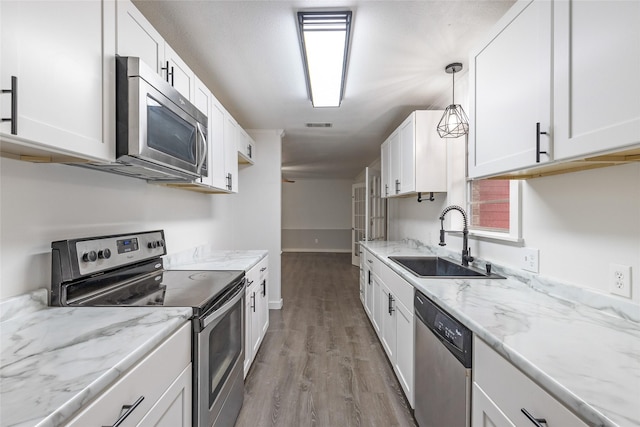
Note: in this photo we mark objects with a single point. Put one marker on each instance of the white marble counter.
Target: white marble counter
(202, 258)
(54, 360)
(585, 351)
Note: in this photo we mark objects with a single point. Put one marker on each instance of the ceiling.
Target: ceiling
(248, 54)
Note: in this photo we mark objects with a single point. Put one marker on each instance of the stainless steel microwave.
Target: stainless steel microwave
(160, 135)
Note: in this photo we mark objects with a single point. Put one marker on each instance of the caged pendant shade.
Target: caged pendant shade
(454, 121)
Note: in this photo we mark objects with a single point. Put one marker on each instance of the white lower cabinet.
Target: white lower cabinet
(155, 392)
(256, 311)
(501, 395)
(388, 302)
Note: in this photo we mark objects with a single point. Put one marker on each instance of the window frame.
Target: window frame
(514, 235)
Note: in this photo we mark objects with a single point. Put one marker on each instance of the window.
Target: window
(494, 208)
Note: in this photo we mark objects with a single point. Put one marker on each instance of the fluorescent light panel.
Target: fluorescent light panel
(324, 37)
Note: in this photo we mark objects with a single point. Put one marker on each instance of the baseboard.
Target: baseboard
(339, 251)
(275, 305)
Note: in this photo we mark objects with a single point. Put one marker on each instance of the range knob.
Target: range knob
(90, 256)
(104, 254)
(152, 245)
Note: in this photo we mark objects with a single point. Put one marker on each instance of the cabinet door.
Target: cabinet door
(245, 147)
(388, 326)
(217, 165)
(256, 320)
(368, 294)
(407, 155)
(174, 408)
(264, 299)
(596, 69)
(231, 153)
(395, 182)
(202, 101)
(376, 307)
(485, 413)
(248, 314)
(63, 63)
(404, 349)
(385, 165)
(178, 73)
(137, 37)
(510, 91)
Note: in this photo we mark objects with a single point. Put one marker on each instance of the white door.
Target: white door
(376, 207)
(179, 75)
(137, 37)
(358, 219)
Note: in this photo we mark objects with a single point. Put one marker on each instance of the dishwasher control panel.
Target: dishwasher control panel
(452, 333)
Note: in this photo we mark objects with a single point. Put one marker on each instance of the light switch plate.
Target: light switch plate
(530, 259)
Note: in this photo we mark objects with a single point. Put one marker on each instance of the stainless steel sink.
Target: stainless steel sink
(436, 267)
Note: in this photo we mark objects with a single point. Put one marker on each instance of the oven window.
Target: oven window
(225, 347)
(169, 133)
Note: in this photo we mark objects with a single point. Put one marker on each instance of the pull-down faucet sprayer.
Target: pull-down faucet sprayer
(466, 251)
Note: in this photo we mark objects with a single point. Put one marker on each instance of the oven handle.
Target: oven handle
(224, 309)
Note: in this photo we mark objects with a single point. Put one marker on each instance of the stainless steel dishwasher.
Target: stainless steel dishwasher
(442, 367)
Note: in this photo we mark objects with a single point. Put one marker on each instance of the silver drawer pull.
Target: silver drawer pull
(536, 421)
(128, 409)
(370, 260)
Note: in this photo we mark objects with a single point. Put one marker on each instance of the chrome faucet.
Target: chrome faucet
(466, 251)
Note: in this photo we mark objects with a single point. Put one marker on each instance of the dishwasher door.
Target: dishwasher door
(442, 383)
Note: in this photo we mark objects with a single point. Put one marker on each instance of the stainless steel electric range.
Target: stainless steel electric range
(126, 270)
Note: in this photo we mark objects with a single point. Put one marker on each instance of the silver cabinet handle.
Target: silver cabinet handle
(536, 421)
(169, 73)
(253, 301)
(263, 269)
(264, 288)
(14, 105)
(128, 409)
(391, 309)
(397, 186)
(370, 261)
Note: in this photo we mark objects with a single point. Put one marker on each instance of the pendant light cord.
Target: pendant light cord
(453, 90)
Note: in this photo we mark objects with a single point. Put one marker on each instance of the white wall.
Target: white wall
(257, 210)
(316, 209)
(41, 203)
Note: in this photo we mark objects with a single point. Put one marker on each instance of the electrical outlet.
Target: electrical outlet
(620, 280)
(530, 259)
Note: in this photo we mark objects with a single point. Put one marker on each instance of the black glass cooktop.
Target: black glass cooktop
(198, 289)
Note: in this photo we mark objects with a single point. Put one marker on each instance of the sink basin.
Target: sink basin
(436, 267)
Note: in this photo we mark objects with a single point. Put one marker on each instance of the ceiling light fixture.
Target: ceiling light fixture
(454, 121)
(324, 39)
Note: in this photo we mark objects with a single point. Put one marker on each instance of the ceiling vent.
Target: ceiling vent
(319, 125)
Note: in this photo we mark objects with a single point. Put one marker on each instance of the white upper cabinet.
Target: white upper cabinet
(61, 57)
(596, 76)
(414, 157)
(137, 37)
(246, 148)
(231, 135)
(217, 168)
(571, 66)
(178, 74)
(510, 92)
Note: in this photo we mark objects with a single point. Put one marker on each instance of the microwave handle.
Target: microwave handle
(203, 152)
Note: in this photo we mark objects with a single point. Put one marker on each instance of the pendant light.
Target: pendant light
(454, 121)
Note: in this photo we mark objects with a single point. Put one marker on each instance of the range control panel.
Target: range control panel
(95, 254)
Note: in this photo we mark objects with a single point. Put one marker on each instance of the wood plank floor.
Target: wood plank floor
(321, 363)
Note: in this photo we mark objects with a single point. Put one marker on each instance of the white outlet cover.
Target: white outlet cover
(620, 280)
(530, 259)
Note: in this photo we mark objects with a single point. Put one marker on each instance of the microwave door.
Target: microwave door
(166, 133)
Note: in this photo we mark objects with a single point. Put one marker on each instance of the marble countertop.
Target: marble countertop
(585, 353)
(201, 258)
(54, 360)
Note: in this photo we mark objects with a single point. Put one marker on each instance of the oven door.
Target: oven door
(219, 355)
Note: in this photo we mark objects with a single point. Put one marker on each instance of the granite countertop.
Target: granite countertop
(584, 350)
(54, 360)
(202, 258)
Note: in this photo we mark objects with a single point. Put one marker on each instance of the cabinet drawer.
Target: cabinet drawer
(374, 264)
(263, 269)
(511, 391)
(148, 379)
(400, 288)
